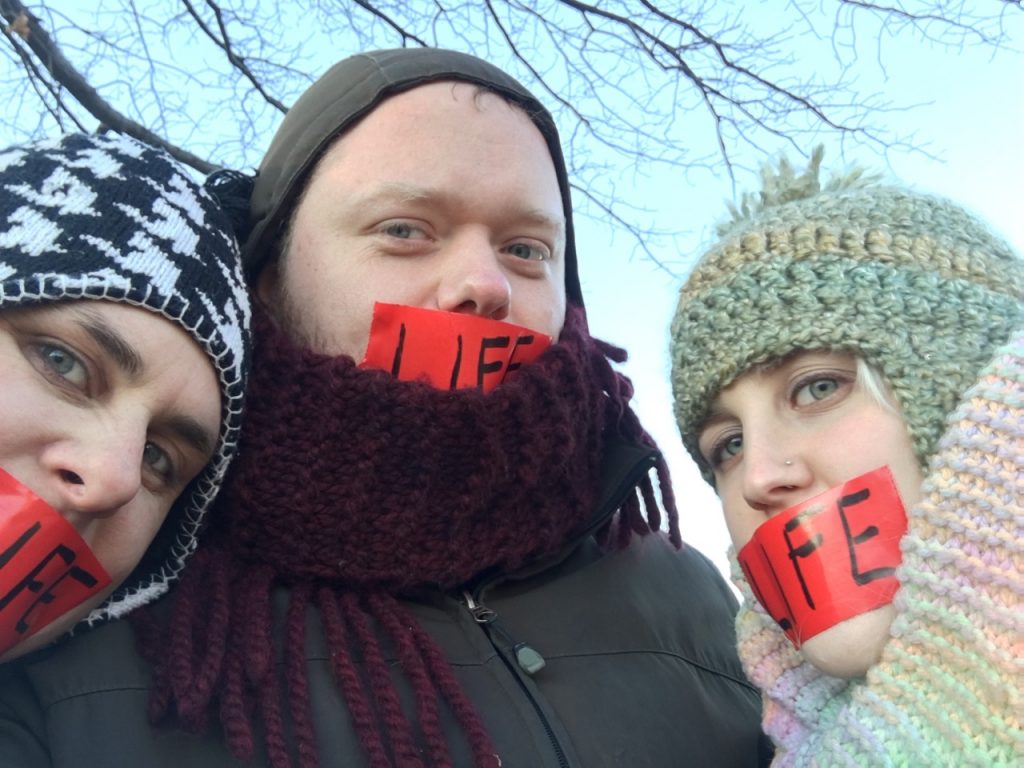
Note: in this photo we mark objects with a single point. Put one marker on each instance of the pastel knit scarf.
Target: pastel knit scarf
(353, 489)
(947, 690)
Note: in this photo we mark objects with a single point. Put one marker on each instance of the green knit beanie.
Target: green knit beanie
(913, 284)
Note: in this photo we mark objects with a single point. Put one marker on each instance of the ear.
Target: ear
(268, 284)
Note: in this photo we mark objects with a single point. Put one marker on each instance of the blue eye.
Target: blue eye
(60, 362)
(527, 252)
(403, 230)
(157, 459)
(399, 229)
(59, 359)
(725, 448)
(816, 390)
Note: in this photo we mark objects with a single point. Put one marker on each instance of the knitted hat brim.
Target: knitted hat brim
(781, 316)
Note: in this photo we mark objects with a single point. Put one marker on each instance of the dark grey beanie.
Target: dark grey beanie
(109, 218)
(349, 91)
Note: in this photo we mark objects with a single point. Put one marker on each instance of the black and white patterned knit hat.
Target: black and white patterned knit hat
(106, 217)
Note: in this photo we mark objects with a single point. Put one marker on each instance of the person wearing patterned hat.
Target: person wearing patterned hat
(441, 544)
(848, 373)
(124, 335)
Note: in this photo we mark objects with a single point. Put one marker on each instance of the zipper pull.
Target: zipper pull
(528, 659)
(481, 613)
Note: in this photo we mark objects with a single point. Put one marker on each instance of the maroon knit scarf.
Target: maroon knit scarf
(352, 489)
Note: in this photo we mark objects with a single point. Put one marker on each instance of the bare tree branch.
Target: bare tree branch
(922, 20)
(63, 72)
(613, 214)
(406, 36)
(629, 81)
(54, 105)
(222, 42)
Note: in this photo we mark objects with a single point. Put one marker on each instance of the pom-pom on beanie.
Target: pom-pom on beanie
(108, 218)
(915, 285)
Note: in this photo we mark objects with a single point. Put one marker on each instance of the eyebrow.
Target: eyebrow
(537, 216)
(193, 433)
(395, 191)
(113, 343)
(714, 416)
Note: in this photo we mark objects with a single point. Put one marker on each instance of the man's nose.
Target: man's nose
(474, 281)
(97, 475)
(775, 474)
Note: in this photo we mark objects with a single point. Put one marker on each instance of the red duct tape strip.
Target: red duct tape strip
(46, 568)
(449, 350)
(829, 558)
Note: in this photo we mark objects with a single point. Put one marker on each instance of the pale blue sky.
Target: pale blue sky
(971, 117)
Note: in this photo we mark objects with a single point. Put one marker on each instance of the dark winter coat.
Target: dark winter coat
(639, 669)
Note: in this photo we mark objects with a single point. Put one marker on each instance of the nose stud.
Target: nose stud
(788, 462)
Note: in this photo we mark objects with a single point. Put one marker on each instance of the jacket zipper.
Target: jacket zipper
(527, 660)
(486, 617)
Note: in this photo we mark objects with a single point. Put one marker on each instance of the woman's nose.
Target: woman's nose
(775, 475)
(99, 475)
(474, 281)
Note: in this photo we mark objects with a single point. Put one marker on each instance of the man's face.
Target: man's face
(444, 197)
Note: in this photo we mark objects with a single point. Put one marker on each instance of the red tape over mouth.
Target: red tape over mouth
(46, 568)
(449, 350)
(829, 558)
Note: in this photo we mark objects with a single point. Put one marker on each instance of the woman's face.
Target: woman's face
(780, 436)
(107, 412)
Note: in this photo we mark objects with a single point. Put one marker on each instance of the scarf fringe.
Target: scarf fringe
(222, 604)
(641, 514)
(619, 389)
(247, 687)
